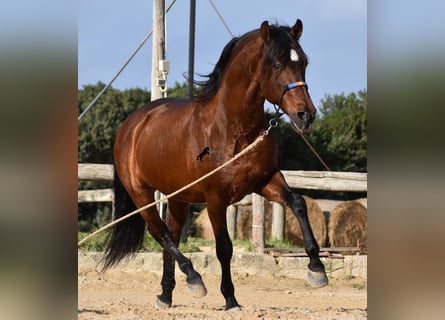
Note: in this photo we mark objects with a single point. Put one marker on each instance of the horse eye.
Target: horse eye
(278, 66)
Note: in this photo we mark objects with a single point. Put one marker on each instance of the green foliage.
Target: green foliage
(191, 244)
(178, 90)
(93, 215)
(340, 133)
(293, 153)
(274, 243)
(99, 242)
(98, 127)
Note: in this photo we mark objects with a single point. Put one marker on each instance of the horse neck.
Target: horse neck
(240, 100)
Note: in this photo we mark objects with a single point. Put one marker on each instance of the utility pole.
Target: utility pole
(159, 66)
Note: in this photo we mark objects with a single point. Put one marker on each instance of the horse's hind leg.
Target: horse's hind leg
(224, 249)
(278, 191)
(160, 232)
(176, 217)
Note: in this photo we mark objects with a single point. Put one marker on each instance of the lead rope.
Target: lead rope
(272, 124)
(278, 114)
(313, 150)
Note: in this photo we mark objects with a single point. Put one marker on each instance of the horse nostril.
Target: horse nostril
(303, 115)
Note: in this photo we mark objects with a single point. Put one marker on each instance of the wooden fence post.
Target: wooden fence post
(231, 221)
(278, 221)
(258, 222)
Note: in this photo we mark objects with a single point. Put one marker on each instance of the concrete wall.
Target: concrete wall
(242, 263)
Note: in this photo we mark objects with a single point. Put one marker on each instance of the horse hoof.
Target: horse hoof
(234, 309)
(317, 279)
(198, 289)
(159, 304)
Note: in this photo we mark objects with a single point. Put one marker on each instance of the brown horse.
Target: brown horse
(170, 142)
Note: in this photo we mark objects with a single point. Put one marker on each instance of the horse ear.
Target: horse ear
(297, 29)
(265, 32)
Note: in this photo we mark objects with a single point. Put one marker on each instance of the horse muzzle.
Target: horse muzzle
(302, 121)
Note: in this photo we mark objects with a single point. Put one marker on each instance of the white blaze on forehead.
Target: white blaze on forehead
(293, 55)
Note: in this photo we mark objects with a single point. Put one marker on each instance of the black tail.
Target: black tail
(127, 236)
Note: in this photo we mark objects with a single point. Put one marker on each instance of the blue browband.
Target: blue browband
(296, 84)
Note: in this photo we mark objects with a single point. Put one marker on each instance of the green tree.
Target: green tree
(340, 132)
(293, 153)
(98, 127)
(179, 90)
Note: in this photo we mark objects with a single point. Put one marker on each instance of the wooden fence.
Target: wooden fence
(319, 180)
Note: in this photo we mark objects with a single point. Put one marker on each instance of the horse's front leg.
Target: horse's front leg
(277, 190)
(224, 249)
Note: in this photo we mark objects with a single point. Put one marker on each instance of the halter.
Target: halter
(286, 88)
(290, 86)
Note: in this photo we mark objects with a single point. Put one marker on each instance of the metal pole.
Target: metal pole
(158, 49)
(191, 48)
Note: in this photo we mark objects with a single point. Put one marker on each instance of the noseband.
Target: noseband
(290, 86)
(286, 88)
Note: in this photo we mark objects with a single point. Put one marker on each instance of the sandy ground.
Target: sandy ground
(131, 295)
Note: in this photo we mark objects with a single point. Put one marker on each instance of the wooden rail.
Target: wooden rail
(327, 180)
(319, 180)
(95, 171)
(98, 195)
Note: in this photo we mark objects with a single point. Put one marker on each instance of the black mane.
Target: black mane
(281, 43)
(212, 84)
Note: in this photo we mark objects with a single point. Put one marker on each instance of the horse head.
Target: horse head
(283, 78)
